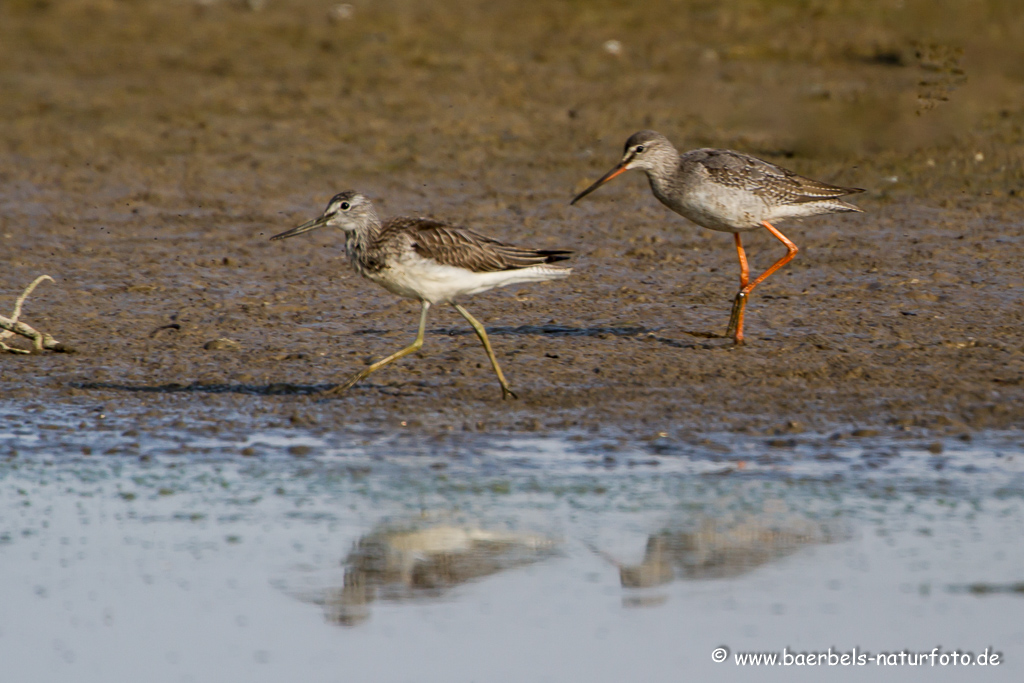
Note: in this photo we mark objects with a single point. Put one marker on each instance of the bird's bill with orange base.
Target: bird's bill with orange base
(614, 173)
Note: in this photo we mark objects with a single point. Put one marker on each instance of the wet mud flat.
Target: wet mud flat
(285, 552)
(149, 149)
(179, 500)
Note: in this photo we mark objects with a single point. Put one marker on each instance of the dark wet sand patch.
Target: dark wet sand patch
(151, 148)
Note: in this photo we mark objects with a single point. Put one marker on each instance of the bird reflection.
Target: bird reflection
(716, 547)
(414, 560)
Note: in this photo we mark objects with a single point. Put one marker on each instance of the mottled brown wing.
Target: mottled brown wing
(454, 246)
(777, 184)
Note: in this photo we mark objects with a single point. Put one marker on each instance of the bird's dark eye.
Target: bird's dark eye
(639, 149)
(345, 206)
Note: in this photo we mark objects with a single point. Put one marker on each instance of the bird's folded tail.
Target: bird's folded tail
(839, 206)
(538, 273)
(555, 255)
(556, 272)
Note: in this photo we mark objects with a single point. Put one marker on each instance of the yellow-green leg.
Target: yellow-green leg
(482, 333)
(412, 348)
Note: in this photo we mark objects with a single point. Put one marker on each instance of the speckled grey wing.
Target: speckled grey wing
(453, 246)
(777, 185)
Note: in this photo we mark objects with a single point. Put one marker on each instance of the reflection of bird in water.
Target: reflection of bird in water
(721, 547)
(401, 563)
(729, 191)
(432, 262)
(713, 551)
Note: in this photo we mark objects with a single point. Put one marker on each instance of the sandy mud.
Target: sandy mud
(148, 150)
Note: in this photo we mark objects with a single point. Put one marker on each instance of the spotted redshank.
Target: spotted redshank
(430, 261)
(729, 191)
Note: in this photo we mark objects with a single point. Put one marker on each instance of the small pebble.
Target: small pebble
(222, 344)
(342, 12)
(613, 47)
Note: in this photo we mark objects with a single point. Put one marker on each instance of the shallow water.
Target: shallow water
(173, 511)
(329, 556)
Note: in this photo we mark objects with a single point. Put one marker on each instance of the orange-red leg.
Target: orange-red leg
(744, 268)
(739, 305)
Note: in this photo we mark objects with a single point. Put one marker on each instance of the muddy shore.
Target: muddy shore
(149, 149)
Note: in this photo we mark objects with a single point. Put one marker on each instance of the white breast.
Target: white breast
(717, 207)
(415, 277)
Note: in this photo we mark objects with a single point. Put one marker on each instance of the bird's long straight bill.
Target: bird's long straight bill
(305, 227)
(621, 168)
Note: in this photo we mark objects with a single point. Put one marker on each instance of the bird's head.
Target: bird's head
(348, 211)
(647, 150)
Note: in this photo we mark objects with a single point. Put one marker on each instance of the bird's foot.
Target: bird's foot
(506, 393)
(340, 389)
(735, 329)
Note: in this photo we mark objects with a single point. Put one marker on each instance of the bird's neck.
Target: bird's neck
(359, 245)
(663, 172)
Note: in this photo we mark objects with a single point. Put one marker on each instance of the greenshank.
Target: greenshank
(431, 261)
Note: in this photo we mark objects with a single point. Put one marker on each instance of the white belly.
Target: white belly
(418, 278)
(719, 208)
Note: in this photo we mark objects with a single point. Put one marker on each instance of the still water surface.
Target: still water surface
(291, 554)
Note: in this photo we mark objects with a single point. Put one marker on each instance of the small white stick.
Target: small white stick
(24, 295)
(11, 326)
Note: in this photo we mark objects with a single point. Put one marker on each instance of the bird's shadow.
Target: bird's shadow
(272, 389)
(289, 389)
(635, 331)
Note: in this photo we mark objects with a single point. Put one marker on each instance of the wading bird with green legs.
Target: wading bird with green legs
(431, 261)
